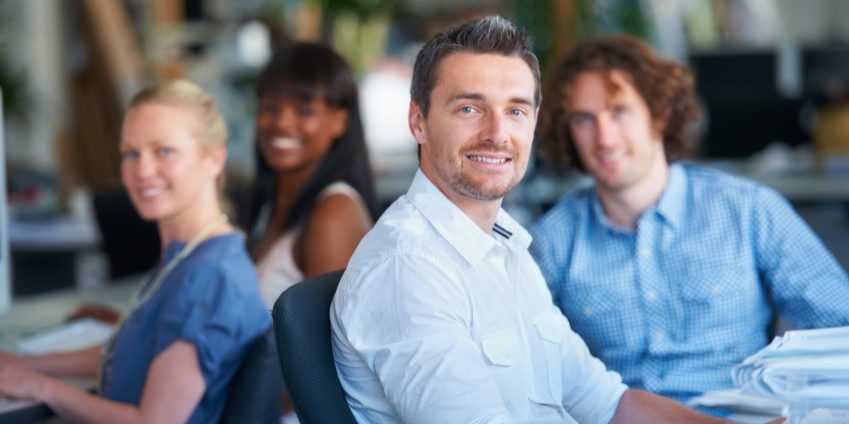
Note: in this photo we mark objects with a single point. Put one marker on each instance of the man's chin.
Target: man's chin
(487, 192)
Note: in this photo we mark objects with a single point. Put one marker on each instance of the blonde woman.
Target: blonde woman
(189, 326)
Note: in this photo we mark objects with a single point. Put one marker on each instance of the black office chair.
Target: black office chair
(302, 324)
(257, 388)
(130, 243)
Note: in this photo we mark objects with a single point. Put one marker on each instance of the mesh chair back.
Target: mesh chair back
(257, 388)
(302, 323)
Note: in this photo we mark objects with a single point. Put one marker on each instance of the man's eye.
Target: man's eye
(467, 109)
(164, 151)
(129, 155)
(620, 111)
(517, 112)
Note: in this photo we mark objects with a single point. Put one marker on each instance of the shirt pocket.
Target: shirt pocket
(595, 313)
(501, 347)
(712, 301)
(502, 352)
(551, 336)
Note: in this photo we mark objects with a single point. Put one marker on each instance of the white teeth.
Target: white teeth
(611, 157)
(285, 143)
(150, 192)
(494, 161)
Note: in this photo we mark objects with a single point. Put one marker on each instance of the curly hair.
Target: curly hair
(665, 86)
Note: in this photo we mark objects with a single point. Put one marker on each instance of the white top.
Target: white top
(277, 269)
(436, 321)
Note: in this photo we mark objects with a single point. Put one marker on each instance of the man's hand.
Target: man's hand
(8, 358)
(637, 406)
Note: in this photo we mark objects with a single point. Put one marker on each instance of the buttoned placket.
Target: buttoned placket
(517, 276)
(653, 295)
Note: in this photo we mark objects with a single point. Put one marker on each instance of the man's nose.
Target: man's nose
(605, 131)
(494, 129)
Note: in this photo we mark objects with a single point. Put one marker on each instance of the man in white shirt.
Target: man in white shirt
(442, 316)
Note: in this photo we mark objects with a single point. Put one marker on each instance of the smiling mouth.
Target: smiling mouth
(149, 192)
(488, 160)
(610, 158)
(285, 143)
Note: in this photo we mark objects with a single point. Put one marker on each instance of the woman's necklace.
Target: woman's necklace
(139, 297)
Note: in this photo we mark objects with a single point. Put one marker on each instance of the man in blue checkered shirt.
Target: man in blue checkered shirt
(671, 273)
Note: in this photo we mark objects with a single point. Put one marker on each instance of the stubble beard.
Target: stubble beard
(463, 184)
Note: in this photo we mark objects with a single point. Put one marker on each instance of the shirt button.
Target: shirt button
(588, 311)
(716, 289)
(645, 252)
(658, 336)
(651, 295)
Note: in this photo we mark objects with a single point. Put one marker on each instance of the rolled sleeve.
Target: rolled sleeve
(420, 349)
(205, 314)
(806, 282)
(591, 393)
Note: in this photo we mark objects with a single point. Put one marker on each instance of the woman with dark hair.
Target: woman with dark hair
(313, 199)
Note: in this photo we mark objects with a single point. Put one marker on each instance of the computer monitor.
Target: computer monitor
(825, 72)
(5, 254)
(744, 108)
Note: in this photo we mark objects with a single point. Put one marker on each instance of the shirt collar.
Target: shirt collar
(670, 206)
(672, 201)
(457, 228)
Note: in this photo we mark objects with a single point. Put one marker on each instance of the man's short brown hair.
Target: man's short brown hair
(665, 86)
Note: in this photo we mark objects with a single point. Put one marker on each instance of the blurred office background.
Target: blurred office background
(772, 76)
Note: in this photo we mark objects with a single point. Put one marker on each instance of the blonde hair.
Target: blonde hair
(212, 131)
(181, 92)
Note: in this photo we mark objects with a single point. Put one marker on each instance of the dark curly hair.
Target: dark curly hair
(665, 86)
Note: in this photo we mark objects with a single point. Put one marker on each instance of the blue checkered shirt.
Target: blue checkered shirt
(674, 305)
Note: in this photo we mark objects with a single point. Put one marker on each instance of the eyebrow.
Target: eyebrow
(478, 96)
(465, 96)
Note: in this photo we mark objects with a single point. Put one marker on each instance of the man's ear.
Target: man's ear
(658, 126)
(416, 121)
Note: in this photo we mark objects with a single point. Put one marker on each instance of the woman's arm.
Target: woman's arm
(335, 228)
(173, 388)
(81, 362)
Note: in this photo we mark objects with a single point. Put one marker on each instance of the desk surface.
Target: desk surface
(33, 314)
(60, 233)
(14, 411)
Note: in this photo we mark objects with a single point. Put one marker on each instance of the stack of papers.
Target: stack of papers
(74, 335)
(741, 408)
(809, 365)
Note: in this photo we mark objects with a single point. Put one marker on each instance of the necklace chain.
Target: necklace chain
(148, 290)
(144, 293)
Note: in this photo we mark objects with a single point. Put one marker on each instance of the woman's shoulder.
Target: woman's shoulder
(339, 204)
(221, 261)
(338, 192)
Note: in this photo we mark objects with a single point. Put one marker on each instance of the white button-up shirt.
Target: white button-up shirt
(436, 321)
